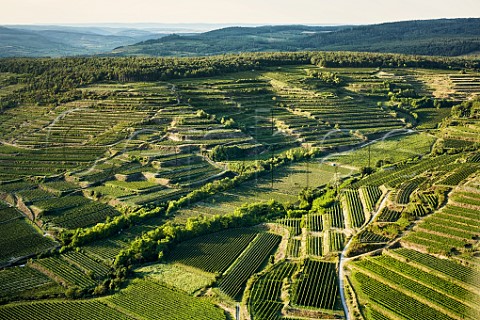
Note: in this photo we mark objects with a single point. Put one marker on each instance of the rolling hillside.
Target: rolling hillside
(427, 37)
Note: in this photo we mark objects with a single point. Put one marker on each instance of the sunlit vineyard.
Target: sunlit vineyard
(277, 185)
(153, 301)
(317, 286)
(213, 253)
(265, 300)
(248, 264)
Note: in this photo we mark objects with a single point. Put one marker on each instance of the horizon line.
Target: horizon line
(220, 23)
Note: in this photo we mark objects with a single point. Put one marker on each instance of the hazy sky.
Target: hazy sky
(232, 11)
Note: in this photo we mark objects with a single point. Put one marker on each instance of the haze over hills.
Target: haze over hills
(86, 39)
(447, 37)
(55, 41)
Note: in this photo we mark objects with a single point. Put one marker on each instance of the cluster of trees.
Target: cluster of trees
(228, 123)
(410, 100)
(339, 59)
(223, 153)
(154, 245)
(317, 200)
(78, 237)
(327, 78)
(407, 100)
(467, 109)
(443, 37)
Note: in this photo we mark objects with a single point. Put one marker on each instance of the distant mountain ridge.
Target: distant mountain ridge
(445, 37)
(57, 41)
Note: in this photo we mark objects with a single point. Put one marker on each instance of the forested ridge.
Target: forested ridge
(443, 37)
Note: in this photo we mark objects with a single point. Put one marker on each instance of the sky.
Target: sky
(322, 12)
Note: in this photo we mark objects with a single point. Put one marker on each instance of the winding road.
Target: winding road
(343, 259)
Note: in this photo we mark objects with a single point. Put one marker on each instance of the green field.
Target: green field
(177, 276)
(388, 150)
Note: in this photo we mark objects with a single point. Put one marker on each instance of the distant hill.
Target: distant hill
(445, 37)
(55, 41)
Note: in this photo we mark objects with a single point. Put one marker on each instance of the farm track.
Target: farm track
(343, 259)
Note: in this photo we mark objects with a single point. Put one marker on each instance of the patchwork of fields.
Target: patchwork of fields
(185, 198)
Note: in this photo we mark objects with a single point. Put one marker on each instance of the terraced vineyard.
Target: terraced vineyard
(293, 248)
(315, 246)
(215, 252)
(371, 195)
(403, 283)
(20, 280)
(459, 175)
(293, 225)
(369, 237)
(61, 310)
(452, 229)
(354, 207)
(20, 238)
(294, 185)
(403, 196)
(427, 278)
(434, 288)
(394, 301)
(265, 299)
(317, 286)
(315, 222)
(154, 301)
(333, 217)
(97, 270)
(248, 263)
(389, 215)
(406, 278)
(396, 176)
(446, 267)
(8, 213)
(63, 272)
